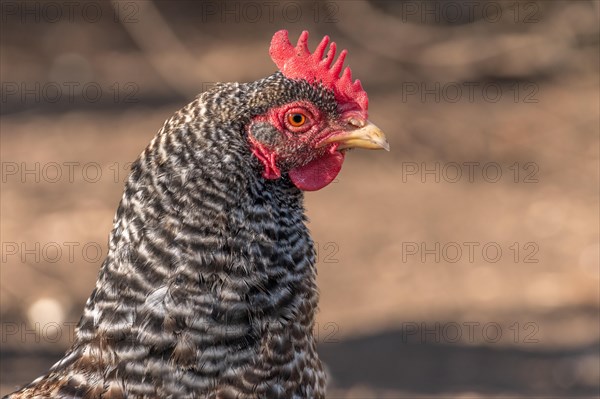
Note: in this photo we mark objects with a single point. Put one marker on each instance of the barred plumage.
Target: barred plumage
(209, 286)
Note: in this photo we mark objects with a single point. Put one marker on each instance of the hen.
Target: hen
(208, 289)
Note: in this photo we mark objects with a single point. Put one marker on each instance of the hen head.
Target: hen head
(318, 115)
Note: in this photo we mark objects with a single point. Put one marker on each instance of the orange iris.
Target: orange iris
(296, 119)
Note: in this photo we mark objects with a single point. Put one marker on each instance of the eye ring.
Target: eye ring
(296, 119)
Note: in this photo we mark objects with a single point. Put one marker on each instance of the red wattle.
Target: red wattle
(318, 173)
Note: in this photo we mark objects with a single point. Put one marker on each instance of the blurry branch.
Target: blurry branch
(472, 49)
(7, 289)
(167, 55)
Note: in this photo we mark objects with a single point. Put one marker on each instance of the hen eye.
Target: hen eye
(296, 119)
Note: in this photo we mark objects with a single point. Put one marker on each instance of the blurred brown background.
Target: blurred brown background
(464, 263)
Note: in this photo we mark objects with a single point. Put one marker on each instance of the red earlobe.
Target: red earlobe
(268, 159)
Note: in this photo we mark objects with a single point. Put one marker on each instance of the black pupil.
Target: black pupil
(297, 118)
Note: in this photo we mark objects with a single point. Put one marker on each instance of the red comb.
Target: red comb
(298, 63)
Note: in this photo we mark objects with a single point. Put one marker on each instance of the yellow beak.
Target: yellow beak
(367, 136)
